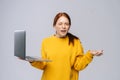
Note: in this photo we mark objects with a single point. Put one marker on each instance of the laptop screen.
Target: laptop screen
(20, 43)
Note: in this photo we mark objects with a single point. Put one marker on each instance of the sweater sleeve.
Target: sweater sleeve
(38, 64)
(82, 60)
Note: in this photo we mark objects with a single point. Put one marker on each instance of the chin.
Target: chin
(63, 35)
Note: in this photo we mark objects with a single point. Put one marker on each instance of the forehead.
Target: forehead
(63, 19)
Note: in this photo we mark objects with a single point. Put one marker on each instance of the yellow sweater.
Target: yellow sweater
(67, 60)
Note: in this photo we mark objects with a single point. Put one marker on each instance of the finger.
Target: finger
(99, 53)
(20, 58)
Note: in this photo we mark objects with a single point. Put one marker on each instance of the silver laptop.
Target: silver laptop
(20, 47)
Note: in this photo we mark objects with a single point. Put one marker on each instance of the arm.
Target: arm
(82, 60)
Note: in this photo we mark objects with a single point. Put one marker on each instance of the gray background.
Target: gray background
(95, 22)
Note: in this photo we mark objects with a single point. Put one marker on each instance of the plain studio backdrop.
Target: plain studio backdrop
(95, 22)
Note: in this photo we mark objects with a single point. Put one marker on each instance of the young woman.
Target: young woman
(65, 52)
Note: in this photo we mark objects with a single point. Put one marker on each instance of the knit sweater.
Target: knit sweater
(66, 60)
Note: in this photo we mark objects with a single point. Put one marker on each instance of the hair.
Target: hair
(59, 15)
(70, 36)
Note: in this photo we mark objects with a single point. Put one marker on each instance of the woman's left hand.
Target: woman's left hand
(96, 52)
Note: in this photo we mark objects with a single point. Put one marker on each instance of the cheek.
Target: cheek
(68, 27)
(57, 28)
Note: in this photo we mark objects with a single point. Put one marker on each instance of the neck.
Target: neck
(59, 36)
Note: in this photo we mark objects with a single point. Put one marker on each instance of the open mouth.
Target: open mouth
(63, 31)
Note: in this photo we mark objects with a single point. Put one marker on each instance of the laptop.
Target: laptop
(20, 47)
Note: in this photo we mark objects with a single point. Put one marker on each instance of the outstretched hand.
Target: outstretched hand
(96, 52)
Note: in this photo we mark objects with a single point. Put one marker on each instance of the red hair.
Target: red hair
(59, 15)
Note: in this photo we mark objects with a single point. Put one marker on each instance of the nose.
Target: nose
(63, 26)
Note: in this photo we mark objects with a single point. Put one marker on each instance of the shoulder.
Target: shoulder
(46, 39)
(77, 41)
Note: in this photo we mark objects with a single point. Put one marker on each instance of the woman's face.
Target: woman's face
(62, 26)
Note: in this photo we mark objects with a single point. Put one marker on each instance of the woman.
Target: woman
(65, 52)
